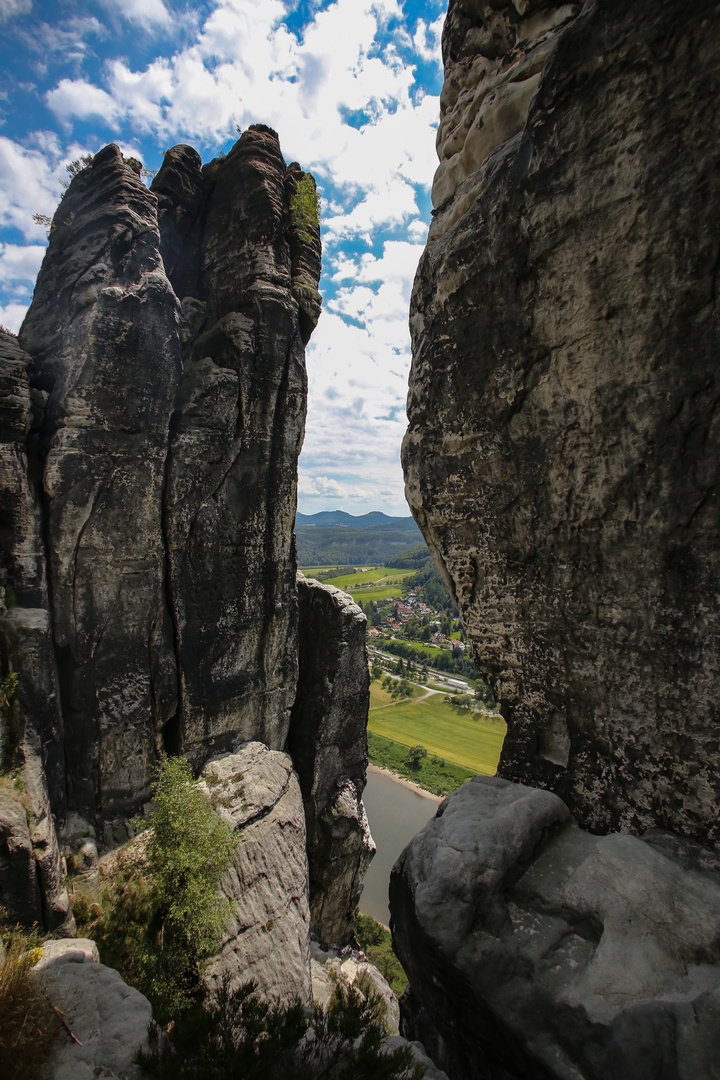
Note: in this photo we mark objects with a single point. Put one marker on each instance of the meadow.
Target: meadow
(376, 583)
(466, 738)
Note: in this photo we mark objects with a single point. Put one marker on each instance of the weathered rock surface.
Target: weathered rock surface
(109, 1018)
(562, 450)
(31, 878)
(328, 744)
(328, 965)
(267, 939)
(236, 434)
(543, 951)
(167, 391)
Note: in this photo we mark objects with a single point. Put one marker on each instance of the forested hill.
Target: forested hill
(333, 536)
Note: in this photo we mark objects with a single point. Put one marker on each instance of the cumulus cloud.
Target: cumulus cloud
(12, 315)
(148, 13)
(19, 263)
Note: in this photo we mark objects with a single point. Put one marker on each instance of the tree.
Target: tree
(376, 670)
(189, 850)
(415, 756)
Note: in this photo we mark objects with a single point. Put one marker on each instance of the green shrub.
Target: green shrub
(376, 942)
(305, 207)
(29, 1024)
(238, 1036)
(157, 926)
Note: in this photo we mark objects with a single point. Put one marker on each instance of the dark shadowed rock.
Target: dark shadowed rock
(541, 951)
(167, 389)
(232, 467)
(103, 331)
(328, 743)
(562, 451)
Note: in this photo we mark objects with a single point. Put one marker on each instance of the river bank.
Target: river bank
(410, 784)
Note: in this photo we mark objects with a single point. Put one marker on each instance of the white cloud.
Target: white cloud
(31, 180)
(146, 13)
(10, 8)
(18, 263)
(12, 315)
(75, 98)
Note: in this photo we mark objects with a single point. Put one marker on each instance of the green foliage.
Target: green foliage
(9, 591)
(416, 558)
(28, 1023)
(118, 922)
(305, 207)
(415, 756)
(189, 850)
(156, 927)
(8, 690)
(434, 773)
(376, 669)
(238, 1036)
(376, 942)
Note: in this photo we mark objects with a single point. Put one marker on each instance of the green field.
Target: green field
(376, 583)
(469, 739)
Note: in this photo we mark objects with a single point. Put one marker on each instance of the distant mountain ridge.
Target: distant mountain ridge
(333, 536)
(375, 519)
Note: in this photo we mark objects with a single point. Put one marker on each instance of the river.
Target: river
(395, 813)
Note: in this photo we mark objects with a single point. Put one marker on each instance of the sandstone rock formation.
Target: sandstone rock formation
(170, 403)
(562, 450)
(541, 950)
(328, 744)
(108, 1018)
(267, 938)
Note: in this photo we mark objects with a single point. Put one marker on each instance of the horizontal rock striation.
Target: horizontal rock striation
(541, 951)
(328, 743)
(167, 391)
(562, 450)
(267, 939)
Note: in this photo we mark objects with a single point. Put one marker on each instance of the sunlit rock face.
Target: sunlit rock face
(167, 363)
(562, 450)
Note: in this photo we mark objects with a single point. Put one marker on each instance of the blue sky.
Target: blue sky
(352, 88)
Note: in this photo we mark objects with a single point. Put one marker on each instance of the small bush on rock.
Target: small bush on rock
(238, 1036)
(28, 1023)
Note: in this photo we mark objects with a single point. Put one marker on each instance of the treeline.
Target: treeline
(417, 557)
(322, 546)
(438, 659)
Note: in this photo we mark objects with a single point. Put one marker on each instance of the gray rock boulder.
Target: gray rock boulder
(562, 451)
(108, 1018)
(540, 950)
(256, 791)
(328, 744)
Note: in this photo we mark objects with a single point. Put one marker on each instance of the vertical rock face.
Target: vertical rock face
(328, 743)
(167, 350)
(562, 450)
(236, 434)
(103, 330)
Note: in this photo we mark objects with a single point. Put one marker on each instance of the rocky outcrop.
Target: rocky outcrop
(328, 744)
(267, 938)
(164, 379)
(562, 450)
(108, 1019)
(540, 950)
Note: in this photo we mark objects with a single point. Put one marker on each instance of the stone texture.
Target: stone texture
(256, 791)
(562, 450)
(109, 1018)
(160, 400)
(540, 950)
(236, 434)
(328, 744)
(103, 333)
